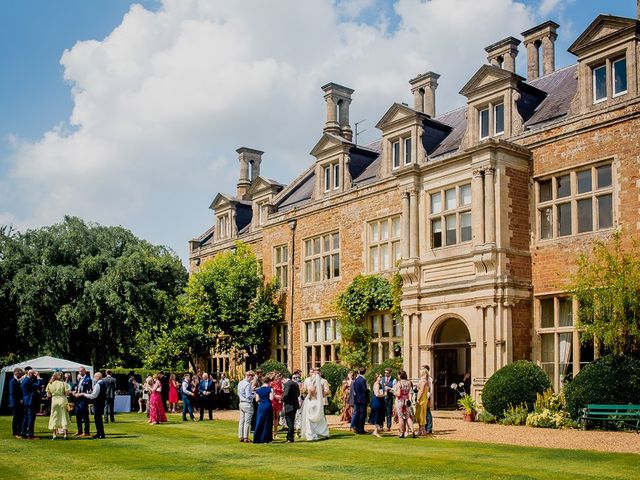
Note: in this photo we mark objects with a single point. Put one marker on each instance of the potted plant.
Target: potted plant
(469, 408)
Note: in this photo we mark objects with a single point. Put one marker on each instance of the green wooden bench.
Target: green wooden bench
(629, 414)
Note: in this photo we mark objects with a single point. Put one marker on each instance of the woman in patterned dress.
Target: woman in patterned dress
(404, 410)
(347, 408)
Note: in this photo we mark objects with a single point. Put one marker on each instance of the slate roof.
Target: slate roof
(544, 100)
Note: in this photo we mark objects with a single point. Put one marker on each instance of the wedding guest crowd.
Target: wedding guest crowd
(391, 399)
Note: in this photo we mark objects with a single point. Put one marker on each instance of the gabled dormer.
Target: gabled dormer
(232, 215)
(332, 150)
(607, 54)
(331, 169)
(402, 131)
(262, 192)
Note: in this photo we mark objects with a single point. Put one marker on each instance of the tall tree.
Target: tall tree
(86, 292)
(607, 287)
(226, 307)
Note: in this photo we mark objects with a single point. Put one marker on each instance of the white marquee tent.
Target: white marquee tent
(44, 364)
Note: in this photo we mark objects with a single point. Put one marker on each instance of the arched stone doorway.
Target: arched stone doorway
(452, 361)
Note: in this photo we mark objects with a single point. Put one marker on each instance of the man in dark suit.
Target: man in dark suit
(98, 395)
(30, 386)
(290, 399)
(360, 398)
(16, 403)
(207, 390)
(110, 394)
(83, 386)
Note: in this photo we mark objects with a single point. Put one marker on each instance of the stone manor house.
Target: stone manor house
(482, 210)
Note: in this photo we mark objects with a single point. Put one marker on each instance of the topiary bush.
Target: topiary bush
(610, 380)
(334, 373)
(275, 366)
(515, 384)
(395, 364)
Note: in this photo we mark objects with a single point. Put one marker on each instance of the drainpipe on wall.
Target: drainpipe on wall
(292, 226)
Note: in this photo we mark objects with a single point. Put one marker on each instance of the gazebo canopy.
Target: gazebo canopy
(43, 364)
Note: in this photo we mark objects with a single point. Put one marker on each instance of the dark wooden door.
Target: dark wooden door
(445, 375)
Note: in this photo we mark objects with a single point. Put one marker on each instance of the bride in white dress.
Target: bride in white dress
(314, 424)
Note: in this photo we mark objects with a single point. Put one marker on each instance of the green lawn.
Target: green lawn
(134, 450)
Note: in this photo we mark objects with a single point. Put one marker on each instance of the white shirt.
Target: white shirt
(225, 385)
(94, 394)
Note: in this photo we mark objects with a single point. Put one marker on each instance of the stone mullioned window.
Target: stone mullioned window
(574, 202)
(322, 258)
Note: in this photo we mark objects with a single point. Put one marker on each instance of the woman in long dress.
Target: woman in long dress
(173, 392)
(157, 414)
(276, 403)
(347, 408)
(263, 432)
(314, 424)
(377, 407)
(422, 398)
(57, 390)
(404, 410)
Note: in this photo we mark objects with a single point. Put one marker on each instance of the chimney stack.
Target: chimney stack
(423, 88)
(544, 36)
(503, 53)
(246, 157)
(338, 99)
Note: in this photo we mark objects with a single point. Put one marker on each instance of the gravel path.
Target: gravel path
(450, 426)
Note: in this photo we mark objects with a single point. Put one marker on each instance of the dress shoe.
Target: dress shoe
(77, 434)
(18, 437)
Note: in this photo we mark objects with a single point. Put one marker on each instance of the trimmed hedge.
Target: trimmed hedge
(334, 373)
(514, 384)
(275, 366)
(395, 364)
(610, 380)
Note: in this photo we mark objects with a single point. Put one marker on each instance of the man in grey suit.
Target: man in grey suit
(110, 396)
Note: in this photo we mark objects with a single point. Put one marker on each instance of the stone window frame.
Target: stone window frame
(315, 258)
(280, 342)
(392, 241)
(559, 332)
(281, 264)
(401, 142)
(572, 199)
(223, 226)
(392, 341)
(459, 210)
(608, 64)
(262, 213)
(490, 107)
(326, 344)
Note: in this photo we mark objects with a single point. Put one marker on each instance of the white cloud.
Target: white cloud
(161, 104)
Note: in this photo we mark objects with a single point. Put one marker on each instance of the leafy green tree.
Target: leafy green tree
(607, 287)
(86, 292)
(226, 307)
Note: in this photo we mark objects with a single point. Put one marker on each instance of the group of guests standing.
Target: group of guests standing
(25, 384)
(205, 393)
(396, 399)
(264, 398)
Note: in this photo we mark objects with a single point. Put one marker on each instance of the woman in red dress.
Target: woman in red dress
(276, 403)
(173, 393)
(156, 410)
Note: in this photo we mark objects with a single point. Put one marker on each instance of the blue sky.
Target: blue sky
(36, 102)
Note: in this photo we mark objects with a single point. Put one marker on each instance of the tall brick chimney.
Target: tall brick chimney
(503, 53)
(247, 157)
(423, 88)
(338, 99)
(544, 35)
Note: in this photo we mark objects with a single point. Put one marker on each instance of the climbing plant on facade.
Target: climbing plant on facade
(367, 293)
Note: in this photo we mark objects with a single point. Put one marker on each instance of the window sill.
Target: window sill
(602, 231)
(620, 94)
(321, 282)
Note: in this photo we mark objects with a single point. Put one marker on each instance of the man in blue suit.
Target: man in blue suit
(30, 386)
(16, 402)
(361, 399)
(82, 404)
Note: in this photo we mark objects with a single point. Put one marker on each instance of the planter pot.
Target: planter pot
(469, 417)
